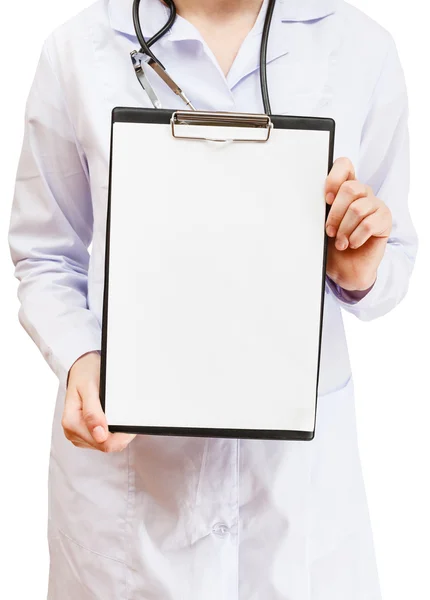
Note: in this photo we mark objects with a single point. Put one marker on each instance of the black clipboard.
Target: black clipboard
(134, 130)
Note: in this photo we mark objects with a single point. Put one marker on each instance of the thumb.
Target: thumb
(342, 170)
(93, 414)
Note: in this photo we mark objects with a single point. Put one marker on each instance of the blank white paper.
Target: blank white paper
(215, 278)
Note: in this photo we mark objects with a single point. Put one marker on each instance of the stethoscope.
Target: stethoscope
(145, 57)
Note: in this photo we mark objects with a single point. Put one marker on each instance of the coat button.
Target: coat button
(220, 529)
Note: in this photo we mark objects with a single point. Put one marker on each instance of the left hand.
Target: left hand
(358, 227)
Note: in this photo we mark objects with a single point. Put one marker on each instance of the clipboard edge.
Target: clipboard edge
(122, 114)
(163, 117)
(252, 434)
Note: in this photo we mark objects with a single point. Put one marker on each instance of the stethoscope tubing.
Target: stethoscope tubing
(145, 45)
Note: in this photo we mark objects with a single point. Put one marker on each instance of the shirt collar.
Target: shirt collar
(307, 10)
(155, 14)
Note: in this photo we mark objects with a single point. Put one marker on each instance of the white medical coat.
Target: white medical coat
(194, 518)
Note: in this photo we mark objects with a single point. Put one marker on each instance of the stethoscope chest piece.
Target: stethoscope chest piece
(137, 58)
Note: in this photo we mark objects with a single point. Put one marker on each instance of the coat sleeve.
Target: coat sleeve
(51, 228)
(384, 165)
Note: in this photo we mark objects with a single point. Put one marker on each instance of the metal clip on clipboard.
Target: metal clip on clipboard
(221, 126)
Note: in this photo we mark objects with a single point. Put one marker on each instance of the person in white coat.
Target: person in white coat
(182, 518)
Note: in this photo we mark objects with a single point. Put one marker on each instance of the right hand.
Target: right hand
(84, 421)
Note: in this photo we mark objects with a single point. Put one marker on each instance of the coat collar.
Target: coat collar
(155, 13)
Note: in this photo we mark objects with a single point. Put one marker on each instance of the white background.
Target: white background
(390, 357)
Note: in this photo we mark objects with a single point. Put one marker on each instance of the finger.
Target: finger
(117, 442)
(348, 192)
(76, 430)
(356, 212)
(111, 445)
(342, 170)
(72, 421)
(80, 437)
(92, 412)
(378, 224)
(71, 413)
(78, 443)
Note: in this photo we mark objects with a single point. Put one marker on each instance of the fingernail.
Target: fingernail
(99, 433)
(342, 244)
(329, 198)
(331, 231)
